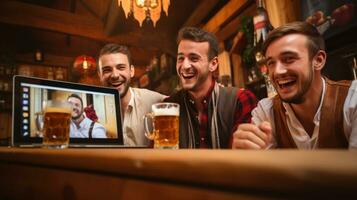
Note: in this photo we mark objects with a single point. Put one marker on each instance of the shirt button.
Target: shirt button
(202, 139)
(204, 101)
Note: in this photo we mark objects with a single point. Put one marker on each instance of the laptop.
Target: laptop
(100, 104)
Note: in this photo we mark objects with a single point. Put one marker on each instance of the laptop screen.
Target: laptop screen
(96, 115)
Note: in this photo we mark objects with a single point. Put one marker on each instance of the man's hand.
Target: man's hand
(250, 136)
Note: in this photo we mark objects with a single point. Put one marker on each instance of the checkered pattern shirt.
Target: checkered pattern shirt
(246, 101)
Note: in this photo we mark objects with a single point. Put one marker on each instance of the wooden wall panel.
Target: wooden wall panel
(283, 11)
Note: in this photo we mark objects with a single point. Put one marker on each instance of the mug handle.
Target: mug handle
(149, 134)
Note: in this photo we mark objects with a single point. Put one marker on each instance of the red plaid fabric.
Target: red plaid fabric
(246, 102)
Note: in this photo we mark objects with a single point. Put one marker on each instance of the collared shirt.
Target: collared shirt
(82, 130)
(139, 104)
(246, 101)
(264, 112)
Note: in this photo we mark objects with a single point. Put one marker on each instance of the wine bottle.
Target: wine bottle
(262, 27)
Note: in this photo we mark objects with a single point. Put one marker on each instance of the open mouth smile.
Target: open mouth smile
(188, 75)
(285, 83)
(117, 84)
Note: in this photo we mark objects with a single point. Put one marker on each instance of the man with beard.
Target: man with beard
(209, 114)
(310, 111)
(115, 70)
(81, 126)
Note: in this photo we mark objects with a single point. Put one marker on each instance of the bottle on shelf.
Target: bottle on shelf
(50, 73)
(262, 27)
(59, 74)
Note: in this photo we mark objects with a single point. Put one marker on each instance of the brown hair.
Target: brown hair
(115, 48)
(199, 35)
(315, 41)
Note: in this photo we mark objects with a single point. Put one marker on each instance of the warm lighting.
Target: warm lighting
(84, 64)
(84, 71)
(140, 3)
(145, 9)
(38, 55)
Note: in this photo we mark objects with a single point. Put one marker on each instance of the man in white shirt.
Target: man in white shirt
(115, 70)
(310, 111)
(81, 126)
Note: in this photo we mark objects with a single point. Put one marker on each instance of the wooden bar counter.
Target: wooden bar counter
(35, 173)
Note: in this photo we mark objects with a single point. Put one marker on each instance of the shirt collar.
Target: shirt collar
(317, 114)
(131, 101)
(82, 123)
(207, 97)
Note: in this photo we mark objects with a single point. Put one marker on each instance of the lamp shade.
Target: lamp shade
(84, 64)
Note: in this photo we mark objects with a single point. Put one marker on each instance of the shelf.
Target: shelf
(259, 80)
(5, 92)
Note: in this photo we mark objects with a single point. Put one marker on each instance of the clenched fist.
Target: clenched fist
(251, 136)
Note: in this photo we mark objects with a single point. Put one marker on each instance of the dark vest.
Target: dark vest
(331, 132)
(226, 107)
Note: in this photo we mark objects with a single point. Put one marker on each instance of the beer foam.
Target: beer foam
(60, 110)
(167, 111)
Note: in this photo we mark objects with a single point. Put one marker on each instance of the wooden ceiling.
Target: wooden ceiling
(69, 28)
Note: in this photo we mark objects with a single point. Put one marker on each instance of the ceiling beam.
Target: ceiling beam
(232, 27)
(232, 8)
(200, 12)
(112, 18)
(23, 14)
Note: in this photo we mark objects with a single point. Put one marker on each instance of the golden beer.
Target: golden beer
(166, 131)
(56, 127)
(165, 121)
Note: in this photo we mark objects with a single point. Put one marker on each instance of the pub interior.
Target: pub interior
(61, 40)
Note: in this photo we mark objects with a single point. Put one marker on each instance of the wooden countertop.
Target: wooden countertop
(276, 171)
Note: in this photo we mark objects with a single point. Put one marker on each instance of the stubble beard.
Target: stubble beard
(125, 89)
(300, 97)
(75, 118)
(193, 87)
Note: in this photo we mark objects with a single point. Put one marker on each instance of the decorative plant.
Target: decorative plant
(247, 28)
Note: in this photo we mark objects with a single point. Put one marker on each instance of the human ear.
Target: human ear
(213, 64)
(319, 60)
(132, 71)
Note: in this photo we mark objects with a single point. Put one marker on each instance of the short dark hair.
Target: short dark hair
(115, 48)
(75, 96)
(315, 41)
(199, 35)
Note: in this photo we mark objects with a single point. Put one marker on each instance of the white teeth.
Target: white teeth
(188, 75)
(281, 82)
(116, 84)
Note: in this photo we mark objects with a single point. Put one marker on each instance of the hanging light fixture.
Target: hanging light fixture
(84, 64)
(84, 70)
(145, 9)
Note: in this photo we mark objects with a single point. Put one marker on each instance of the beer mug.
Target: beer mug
(39, 122)
(165, 124)
(57, 121)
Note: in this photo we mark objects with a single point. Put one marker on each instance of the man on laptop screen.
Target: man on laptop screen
(81, 125)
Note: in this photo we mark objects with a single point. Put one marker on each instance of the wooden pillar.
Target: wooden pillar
(238, 71)
(282, 11)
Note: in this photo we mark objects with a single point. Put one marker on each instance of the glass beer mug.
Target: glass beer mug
(165, 124)
(57, 121)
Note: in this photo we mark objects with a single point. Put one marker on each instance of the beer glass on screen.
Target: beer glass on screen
(165, 125)
(57, 121)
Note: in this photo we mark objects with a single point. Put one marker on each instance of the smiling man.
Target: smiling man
(310, 111)
(81, 126)
(209, 114)
(115, 70)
